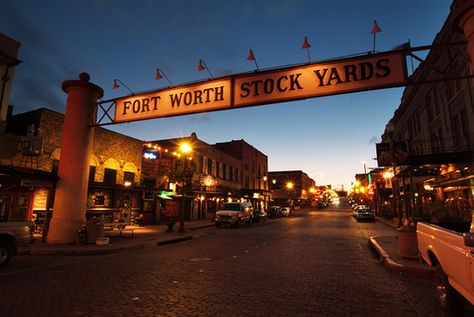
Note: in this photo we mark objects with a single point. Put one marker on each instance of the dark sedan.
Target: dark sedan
(274, 212)
(259, 216)
(364, 214)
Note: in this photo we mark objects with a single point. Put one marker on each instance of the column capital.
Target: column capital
(83, 81)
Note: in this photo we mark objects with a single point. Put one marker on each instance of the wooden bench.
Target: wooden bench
(119, 227)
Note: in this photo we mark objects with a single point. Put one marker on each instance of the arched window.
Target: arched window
(110, 171)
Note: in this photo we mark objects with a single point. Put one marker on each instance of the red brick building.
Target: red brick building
(291, 188)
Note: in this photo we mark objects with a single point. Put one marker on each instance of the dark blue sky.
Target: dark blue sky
(325, 137)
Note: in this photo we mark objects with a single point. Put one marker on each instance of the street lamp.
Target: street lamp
(184, 148)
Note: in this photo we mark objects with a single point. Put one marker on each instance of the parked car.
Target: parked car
(449, 248)
(274, 212)
(234, 213)
(356, 207)
(364, 214)
(259, 215)
(285, 211)
(12, 236)
(322, 204)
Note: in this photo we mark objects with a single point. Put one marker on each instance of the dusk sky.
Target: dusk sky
(328, 137)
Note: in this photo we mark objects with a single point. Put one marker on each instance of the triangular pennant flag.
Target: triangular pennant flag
(305, 43)
(250, 56)
(115, 85)
(403, 46)
(200, 66)
(375, 28)
(158, 75)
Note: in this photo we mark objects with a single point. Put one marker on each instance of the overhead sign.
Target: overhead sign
(200, 97)
(322, 79)
(368, 72)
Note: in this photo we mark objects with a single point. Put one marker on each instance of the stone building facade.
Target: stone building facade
(429, 140)
(36, 135)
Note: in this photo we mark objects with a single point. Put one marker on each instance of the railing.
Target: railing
(438, 146)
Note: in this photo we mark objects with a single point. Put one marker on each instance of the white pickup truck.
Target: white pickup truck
(12, 236)
(449, 247)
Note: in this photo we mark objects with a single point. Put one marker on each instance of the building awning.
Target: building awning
(461, 181)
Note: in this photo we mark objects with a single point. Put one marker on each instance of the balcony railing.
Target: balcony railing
(435, 151)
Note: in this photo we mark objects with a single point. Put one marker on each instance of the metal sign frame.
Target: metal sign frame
(323, 78)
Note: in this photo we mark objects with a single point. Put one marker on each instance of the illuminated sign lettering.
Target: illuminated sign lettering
(175, 101)
(321, 79)
(368, 72)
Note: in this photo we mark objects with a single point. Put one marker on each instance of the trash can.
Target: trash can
(407, 242)
(94, 230)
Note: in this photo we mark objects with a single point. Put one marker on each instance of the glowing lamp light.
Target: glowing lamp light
(127, 183)
(289, 185)
(387, 174)
(427, 187)
(185, 148)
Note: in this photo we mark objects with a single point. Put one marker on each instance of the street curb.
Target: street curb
(394, 267)
(210, 225)
(103, 251)
(176, 240)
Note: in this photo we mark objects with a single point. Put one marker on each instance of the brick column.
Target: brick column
(76, 144)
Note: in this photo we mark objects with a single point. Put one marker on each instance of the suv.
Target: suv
(13, 235)
(234, 213)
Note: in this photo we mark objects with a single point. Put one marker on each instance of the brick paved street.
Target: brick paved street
(312, 264)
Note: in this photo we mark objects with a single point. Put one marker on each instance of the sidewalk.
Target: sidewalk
(388, 251)
(147, 235)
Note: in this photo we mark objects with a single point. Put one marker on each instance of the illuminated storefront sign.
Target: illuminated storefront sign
(368, 72)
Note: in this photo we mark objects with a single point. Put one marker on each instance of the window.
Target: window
(435, 145)
(129, 177)
(456, 128)
(429, 106)
(201, 164)
(91, 174)
(209, 166)
(247, 182)
(110, 176)
(218, 174)
(224, 172)
(464, 126)
(55, 167)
